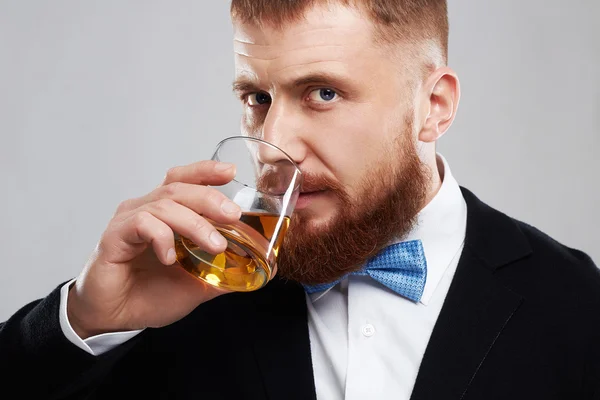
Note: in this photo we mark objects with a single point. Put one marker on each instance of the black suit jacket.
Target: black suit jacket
(521, 321)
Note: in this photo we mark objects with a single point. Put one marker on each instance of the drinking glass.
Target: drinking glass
(266, 187)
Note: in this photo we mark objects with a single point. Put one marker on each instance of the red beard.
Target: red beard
(385, 209)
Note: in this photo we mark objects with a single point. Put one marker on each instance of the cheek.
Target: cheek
(252, 122)
(349, 144)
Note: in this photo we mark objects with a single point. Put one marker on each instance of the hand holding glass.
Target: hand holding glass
(266, 187)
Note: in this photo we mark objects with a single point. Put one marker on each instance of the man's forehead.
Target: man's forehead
(329, 46)
(324, 40)
(320, 25)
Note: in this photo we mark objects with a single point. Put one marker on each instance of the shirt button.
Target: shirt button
(368, 330)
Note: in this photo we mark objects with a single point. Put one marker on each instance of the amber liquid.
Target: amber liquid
(247, 264)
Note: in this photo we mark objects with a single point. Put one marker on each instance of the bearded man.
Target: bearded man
(393, 282)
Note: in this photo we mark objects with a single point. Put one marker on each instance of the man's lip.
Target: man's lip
(306, 198)
(310, 191)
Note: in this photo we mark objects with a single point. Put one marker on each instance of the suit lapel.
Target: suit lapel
(475, 311)
(477, 308)
(282, 344)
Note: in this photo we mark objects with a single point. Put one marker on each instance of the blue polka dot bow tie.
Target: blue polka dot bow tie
(401, 267)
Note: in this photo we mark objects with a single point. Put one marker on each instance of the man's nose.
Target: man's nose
(282, 128)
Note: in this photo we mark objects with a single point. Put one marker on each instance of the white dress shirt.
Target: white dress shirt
(367, 342)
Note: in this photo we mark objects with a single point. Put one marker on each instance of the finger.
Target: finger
(187, 223)
(207, 172)
(201, 199)
(143, 227)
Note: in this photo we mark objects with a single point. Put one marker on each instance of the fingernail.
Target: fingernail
(223, 166)
(171, 256)
(217, 239)
(230, 207)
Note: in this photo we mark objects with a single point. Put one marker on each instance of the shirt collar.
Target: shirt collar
(441, 227)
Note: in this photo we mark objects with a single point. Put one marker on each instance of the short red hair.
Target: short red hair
(413, 21)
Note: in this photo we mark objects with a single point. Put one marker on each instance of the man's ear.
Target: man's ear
(441, 94)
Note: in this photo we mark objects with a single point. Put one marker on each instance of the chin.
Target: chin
(309, 220)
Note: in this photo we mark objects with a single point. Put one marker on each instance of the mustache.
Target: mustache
(272, 182)
(319, 182)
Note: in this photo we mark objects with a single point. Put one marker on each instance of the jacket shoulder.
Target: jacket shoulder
(573, 270)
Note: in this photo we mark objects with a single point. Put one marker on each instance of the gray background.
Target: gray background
(99, 98)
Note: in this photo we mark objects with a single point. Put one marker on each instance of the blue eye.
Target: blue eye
(258, 99)
(324, 95)
(327, 94)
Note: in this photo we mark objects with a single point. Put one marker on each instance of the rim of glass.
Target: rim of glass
(253, 139)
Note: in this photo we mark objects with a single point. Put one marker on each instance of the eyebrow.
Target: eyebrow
(246, 85)
(326, 78)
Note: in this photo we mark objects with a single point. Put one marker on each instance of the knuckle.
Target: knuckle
(124, 206)
(172, 174)
(171, 189)
(163, 205)
(141, 218)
